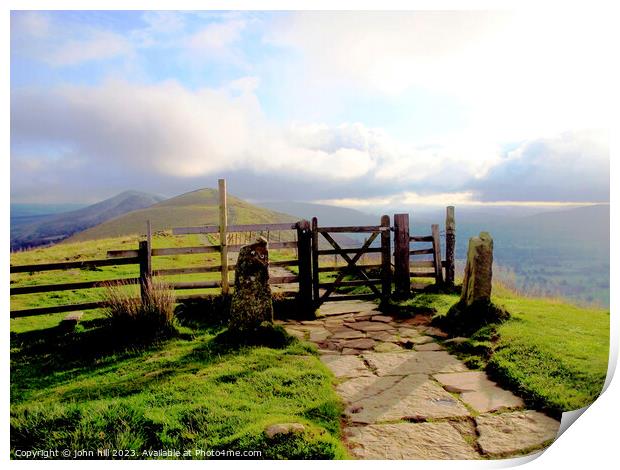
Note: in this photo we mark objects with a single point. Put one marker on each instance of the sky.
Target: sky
(360, 109)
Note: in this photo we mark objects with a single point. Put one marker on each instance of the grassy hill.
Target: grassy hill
(195, 208)
(28, 229)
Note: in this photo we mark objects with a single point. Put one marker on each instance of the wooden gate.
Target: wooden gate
(353, 265)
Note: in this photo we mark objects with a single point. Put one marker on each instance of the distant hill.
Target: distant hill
(19, 210)
(34, 230)
(195, 208)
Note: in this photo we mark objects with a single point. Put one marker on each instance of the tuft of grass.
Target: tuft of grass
(132, 316)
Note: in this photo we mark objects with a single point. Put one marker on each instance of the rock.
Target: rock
(319, 335)
(350, 351)
(429, 347)
(382, 336)
(346, 366)
(478, 270)
(251, 302)
(348, 334)
(381, 318)
(478, 391)
(361, 343)
(297, 333)
(436, 332)
(413, 362)
(415, 395)
(506, 433)
(457, 340)
(409, 441)
(284, 429)
(422, 340)
(408, 333)
(371, 326)
(387, 347)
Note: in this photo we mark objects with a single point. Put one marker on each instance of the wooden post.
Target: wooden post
(437, 254)
(223, 241)
(402, 281)
(304, 262)
(386, 255)
(144, 253)
(315, 260)
(450, 245)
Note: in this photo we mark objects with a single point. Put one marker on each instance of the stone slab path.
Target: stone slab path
(408, 398)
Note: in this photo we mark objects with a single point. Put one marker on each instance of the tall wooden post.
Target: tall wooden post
(386, 256)
(144, 253)
(223, 241)
(315, 260)
(304, 263)
(450, 244)
(402, 281)
(437, 254)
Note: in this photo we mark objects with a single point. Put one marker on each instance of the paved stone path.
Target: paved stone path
(408, 398)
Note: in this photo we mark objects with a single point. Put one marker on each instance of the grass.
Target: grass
(89, 389)
(550, 352)
(84, 390)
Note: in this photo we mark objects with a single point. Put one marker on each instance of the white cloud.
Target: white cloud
(170, 131)
(97, 45)
(218, 40)
(519, 74)
(39, 36)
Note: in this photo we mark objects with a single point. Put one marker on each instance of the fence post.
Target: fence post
(450, 245)
(144, 253)
(304, 262)
(223, 235)
(386, 256)
(315, 260)
(437, 254)
(402, 281)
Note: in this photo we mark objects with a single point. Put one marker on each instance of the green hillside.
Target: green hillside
(195, 208)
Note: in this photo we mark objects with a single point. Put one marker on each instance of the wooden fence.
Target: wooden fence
(143, 255)
(311, 292)
(405, 268)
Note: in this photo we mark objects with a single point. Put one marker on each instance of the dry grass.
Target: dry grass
(129, 313)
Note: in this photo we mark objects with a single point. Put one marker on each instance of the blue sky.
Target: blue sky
(353, 108)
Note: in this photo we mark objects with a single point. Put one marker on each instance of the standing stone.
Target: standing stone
(478, 270)
(251, 303)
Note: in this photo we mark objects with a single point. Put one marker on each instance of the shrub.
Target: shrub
(150, 317)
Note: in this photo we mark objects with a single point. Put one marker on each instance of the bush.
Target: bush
(144, 318)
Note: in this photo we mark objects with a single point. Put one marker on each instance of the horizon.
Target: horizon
(420, 108)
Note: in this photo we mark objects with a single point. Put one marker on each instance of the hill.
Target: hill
(34, 230)
(559, 253)
(195, 208)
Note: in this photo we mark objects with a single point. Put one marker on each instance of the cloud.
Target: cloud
(573, 166)
(167, 133)
(40, 36)
(96, 45)
(168, 129)
(520, 74)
